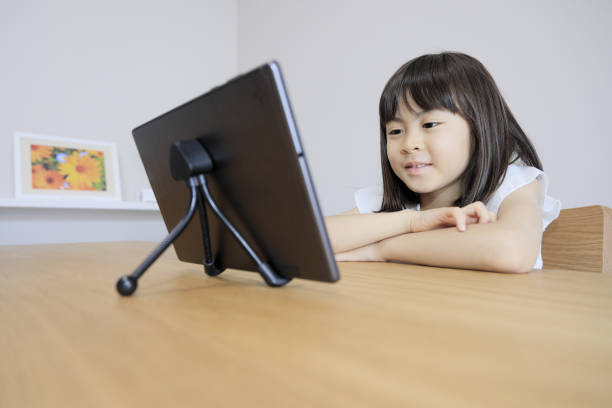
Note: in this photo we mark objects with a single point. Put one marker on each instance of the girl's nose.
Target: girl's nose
(412, 143)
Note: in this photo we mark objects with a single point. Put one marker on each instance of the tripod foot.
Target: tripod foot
(212, 269)
(271, 277)
(126, 285)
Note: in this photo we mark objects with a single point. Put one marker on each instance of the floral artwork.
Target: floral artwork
(60, 168)
(54, 167)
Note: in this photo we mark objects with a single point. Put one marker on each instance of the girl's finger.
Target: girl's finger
(483, 214)
(460, 219)
(479, 210)
(472, 220)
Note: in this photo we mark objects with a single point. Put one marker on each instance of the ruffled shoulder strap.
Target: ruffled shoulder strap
(369, 199)
(518, 176)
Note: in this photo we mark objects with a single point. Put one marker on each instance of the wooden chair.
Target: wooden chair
(580, 239)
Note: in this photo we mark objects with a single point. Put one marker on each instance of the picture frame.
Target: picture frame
(49, 167)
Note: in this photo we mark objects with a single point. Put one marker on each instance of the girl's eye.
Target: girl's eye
(429, 125)
(394, 132)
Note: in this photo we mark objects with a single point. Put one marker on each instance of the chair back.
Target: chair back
(579, 239)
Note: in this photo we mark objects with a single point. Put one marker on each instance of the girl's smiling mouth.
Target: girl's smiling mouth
(417, 167)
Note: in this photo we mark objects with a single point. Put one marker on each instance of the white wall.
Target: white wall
(551, 59)
(20, 226)
(97, 69)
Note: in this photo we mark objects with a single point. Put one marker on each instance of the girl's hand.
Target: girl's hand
(475, 213)
(368, 253)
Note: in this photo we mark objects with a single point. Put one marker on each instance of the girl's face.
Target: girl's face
(428, 151)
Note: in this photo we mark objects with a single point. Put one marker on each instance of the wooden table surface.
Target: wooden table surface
(385, 335)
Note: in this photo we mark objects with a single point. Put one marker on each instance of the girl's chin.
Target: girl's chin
(421, 192)
(420, 189)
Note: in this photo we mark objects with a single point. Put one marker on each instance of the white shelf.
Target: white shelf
(86, 205)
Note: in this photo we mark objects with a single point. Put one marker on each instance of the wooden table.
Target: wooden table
(385, 335)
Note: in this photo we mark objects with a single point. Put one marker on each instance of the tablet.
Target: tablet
(260, 179)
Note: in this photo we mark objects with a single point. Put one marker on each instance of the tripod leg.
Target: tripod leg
(127, 284)
(271, 277)
(210, 266)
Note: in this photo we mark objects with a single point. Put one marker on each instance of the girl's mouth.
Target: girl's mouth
(419, 168)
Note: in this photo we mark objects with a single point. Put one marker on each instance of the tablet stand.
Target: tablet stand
(189, 161)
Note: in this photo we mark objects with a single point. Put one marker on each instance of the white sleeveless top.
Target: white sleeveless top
(369, 199)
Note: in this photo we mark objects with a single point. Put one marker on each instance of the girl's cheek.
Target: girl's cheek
(395, 167)
(392, 159)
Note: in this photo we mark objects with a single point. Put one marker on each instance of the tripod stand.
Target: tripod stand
(190, 161)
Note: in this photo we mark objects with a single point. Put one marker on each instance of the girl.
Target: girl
(452, 155)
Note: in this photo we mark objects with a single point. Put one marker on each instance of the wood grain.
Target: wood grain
(385, 335)
(580, 239)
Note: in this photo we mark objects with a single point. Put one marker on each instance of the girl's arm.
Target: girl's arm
(511, 244)
(352, 230)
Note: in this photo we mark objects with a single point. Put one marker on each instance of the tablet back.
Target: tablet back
(260, 178)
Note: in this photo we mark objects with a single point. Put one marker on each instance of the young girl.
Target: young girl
(463, 186)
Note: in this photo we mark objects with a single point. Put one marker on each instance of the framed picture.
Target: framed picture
(54, 167)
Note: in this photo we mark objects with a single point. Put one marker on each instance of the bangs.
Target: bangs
(428, 82)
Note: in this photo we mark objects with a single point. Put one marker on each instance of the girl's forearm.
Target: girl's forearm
(348, 232)
(489, 247)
